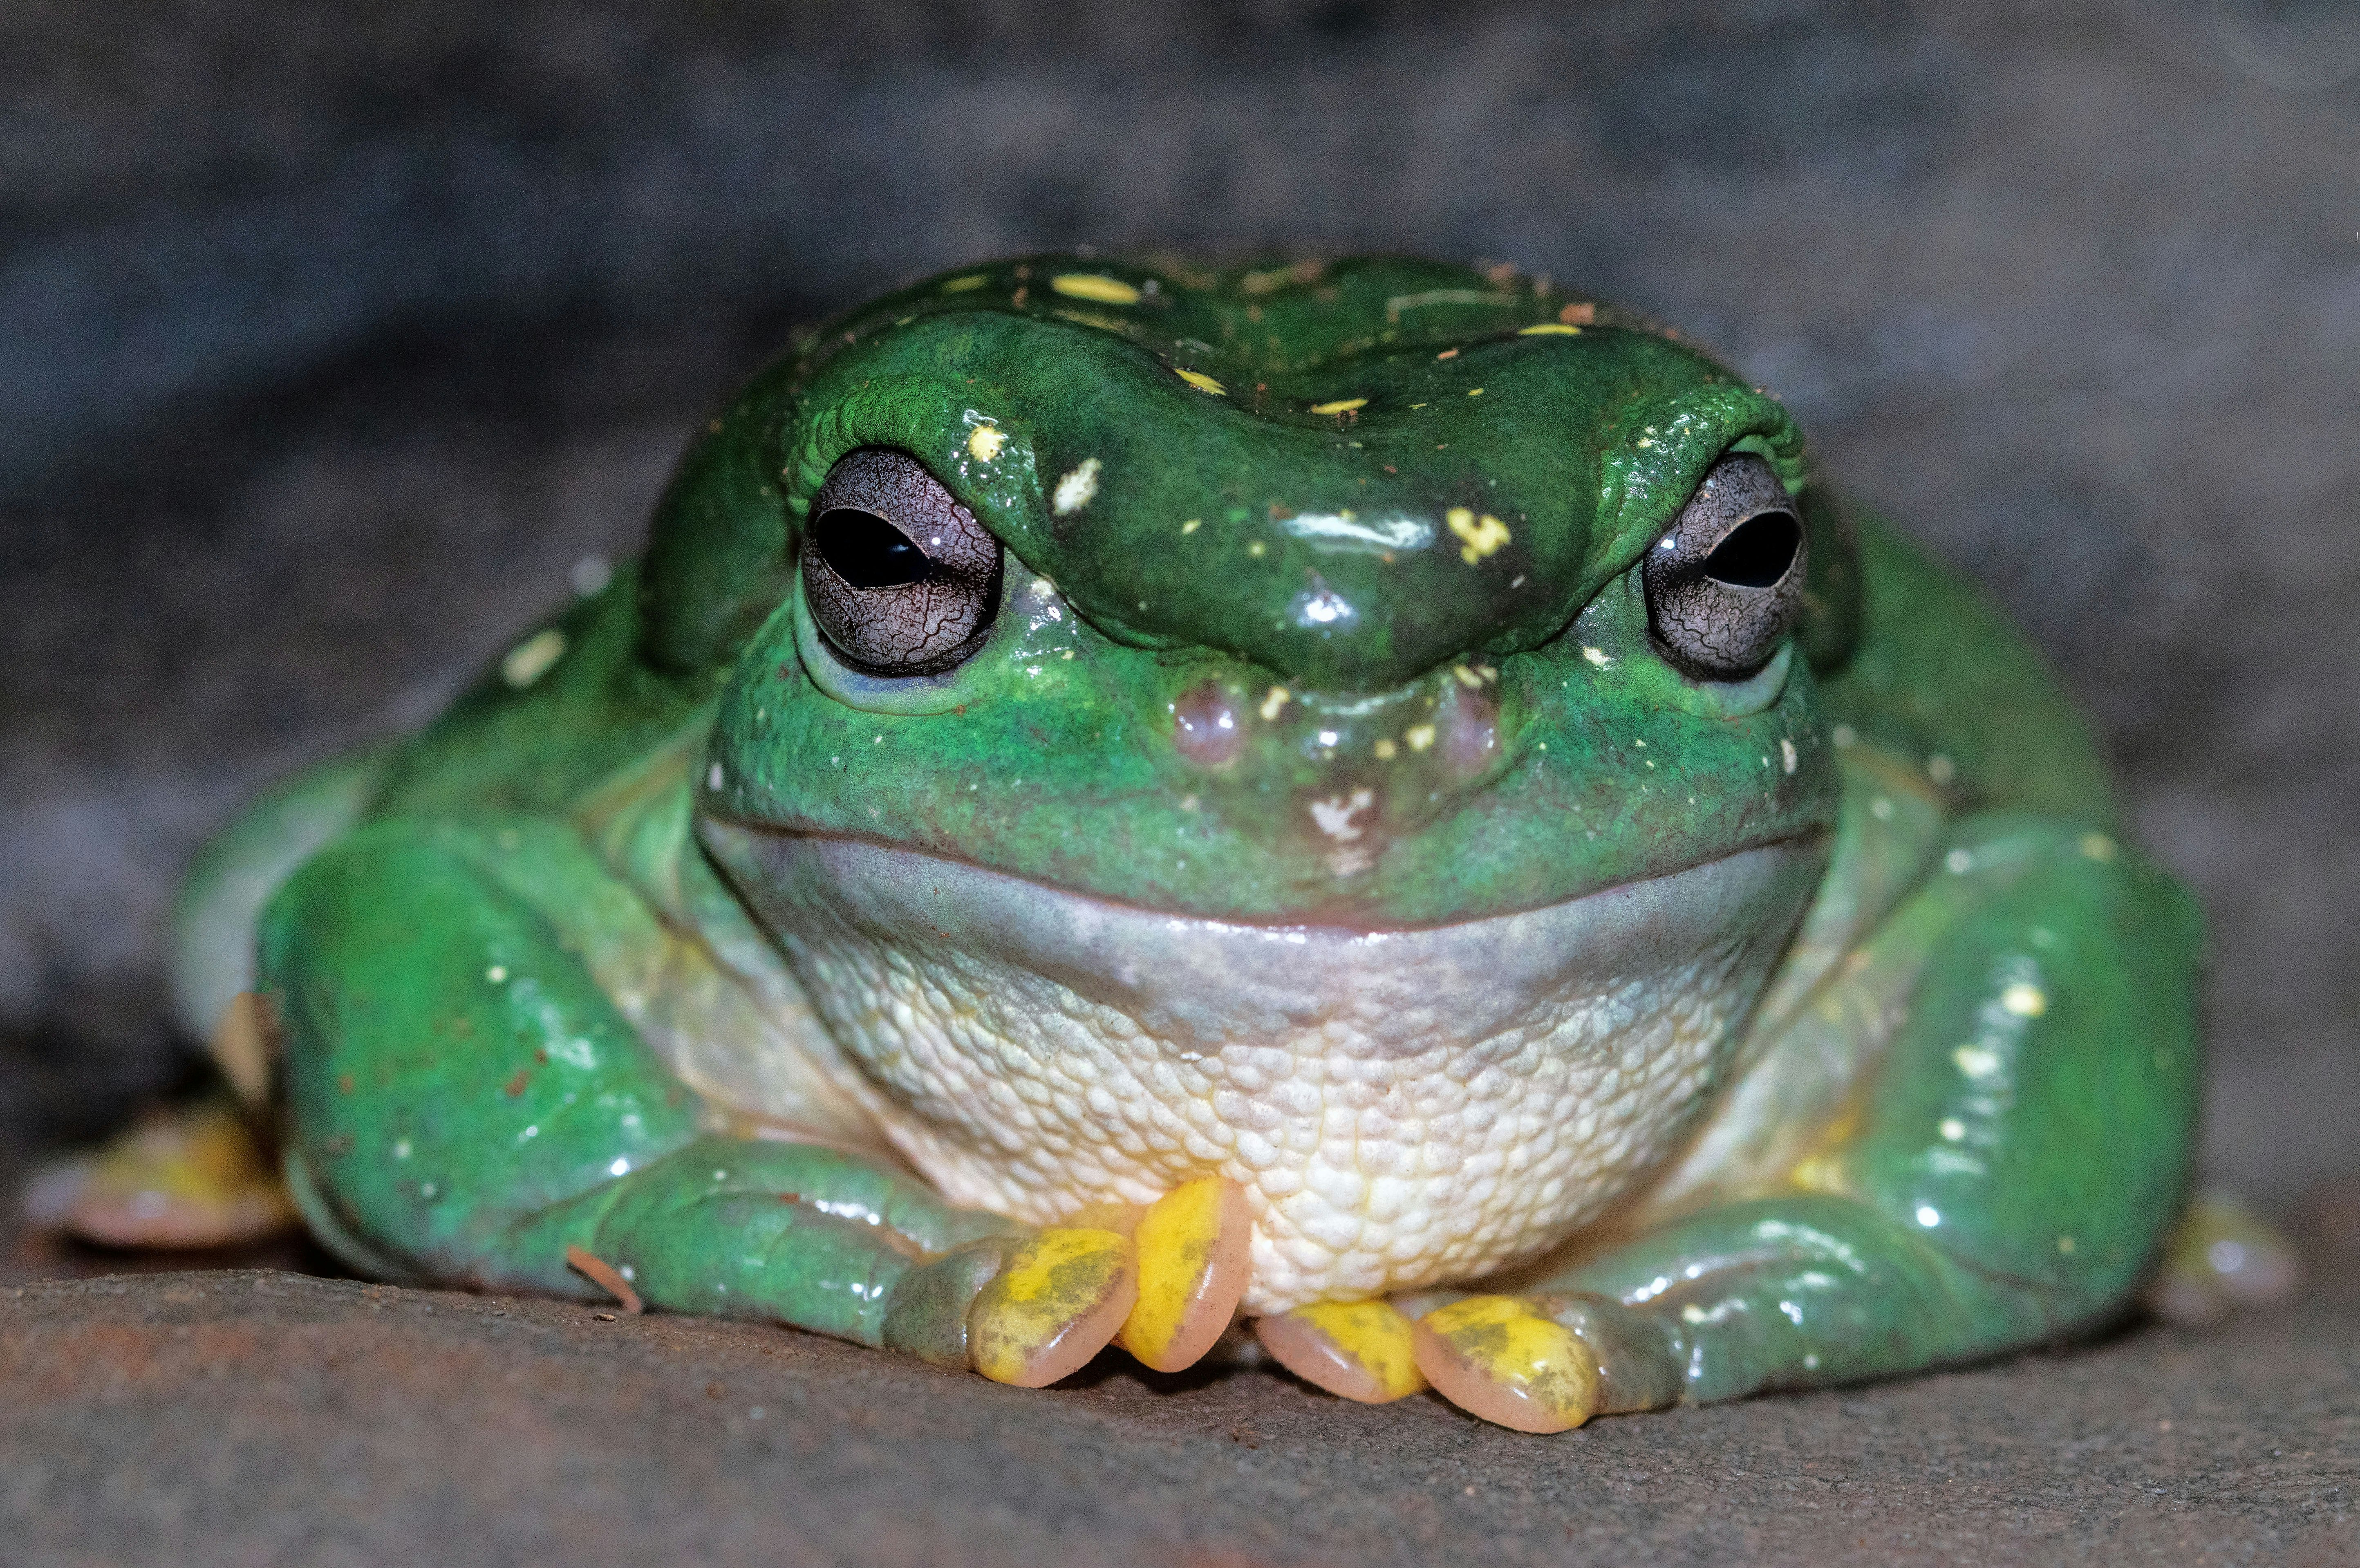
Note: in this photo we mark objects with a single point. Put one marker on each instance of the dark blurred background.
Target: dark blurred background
(332, 338)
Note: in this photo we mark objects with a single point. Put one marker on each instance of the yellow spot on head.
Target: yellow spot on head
(2097, 846)
(1386, 751)
(1467, 677)
(983, 443)
(2065, 1244)
(1095, 286)
(1419, 736)
(1340, 406)
(1255, 549)
(531, 659)
(1597, 656)
(1478, 538)
(961, 285)
(1076, 488)
(1448, 354)
(1549, 329)
(1474, 392)
(1192, 525)
(2025, 1001)
(1273, 700)
(1202, 382)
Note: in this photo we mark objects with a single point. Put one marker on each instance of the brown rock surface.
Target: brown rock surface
(259, 1417)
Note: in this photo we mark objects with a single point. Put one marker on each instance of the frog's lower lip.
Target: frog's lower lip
(888, 888)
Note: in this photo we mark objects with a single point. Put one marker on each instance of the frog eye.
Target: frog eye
(901, 578)
(1724, 587)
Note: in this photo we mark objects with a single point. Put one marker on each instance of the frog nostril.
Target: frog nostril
(1205, 727)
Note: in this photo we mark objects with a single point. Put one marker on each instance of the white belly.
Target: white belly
(1402, 1108)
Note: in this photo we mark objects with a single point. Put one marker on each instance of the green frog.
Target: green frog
(1371, 808)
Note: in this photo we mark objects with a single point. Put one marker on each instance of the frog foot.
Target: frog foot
(1358, 1350)
(1028, 1310)
(1545, 1363)
(2220, 1258)
(195, 1177)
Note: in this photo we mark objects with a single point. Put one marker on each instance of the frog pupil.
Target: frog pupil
(1757, 552)
(868, 551)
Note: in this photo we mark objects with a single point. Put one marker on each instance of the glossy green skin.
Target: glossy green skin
(462, 1093)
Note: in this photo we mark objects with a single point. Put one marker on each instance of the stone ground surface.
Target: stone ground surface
(259, 1417)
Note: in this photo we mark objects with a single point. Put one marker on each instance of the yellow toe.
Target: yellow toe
(1191, 1251)
(1358, 1350)
(1496, 1358)
(1058, 1301)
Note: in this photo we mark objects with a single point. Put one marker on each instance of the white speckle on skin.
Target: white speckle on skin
(713, 777)
(2025, 1001)
(1597, 656)
(497, 975)
(1953, 1129)
(1786, 754)
(1958, 862)
(1929, 1216)
(984, 443)
(1976, 1061)
(1076, 488)
(532, 658)
(1335, 815)
(1844, 735)
(1940, 768)
(590, 574)
(620, 1167)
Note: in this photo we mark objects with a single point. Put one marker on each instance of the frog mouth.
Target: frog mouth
(1201, 978)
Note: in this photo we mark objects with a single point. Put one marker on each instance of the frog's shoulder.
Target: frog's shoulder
(1938, 676)
(565, 707)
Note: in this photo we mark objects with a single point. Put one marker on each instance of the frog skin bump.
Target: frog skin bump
(1122, 794)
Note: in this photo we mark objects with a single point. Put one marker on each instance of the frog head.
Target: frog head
(1155, 690)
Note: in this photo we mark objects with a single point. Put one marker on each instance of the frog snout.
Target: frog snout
(1339, 774)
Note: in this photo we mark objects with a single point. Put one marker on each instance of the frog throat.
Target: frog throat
(1402, 1107)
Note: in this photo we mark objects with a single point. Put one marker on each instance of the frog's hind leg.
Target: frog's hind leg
(2004, 1175)
(221, 901)
(199, 1175)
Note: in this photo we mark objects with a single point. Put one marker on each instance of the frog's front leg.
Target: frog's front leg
(2001, 1173)
(466, 1103)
